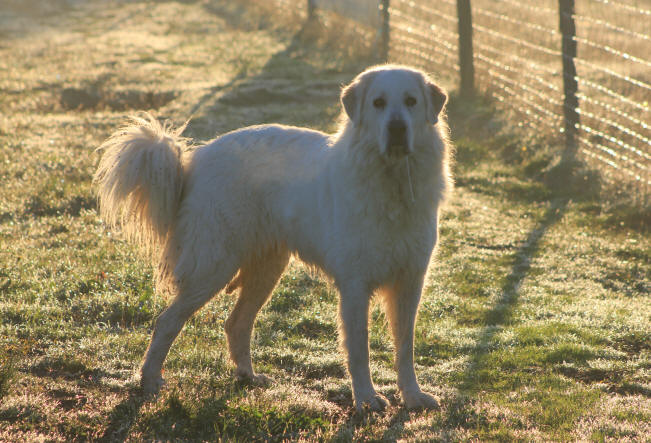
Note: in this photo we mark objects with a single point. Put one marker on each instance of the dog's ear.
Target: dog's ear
(351, 100)
(353, 95)
(436, 99)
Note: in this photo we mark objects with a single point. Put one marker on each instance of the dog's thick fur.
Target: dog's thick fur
(362, 205)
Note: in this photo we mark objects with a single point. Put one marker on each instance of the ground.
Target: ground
(534, 324)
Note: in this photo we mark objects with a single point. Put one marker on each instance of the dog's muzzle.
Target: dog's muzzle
(397, 144)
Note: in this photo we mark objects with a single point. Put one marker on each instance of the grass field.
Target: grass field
(534, 326)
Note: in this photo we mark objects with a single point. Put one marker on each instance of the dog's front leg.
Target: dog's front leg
(401, 302)
(353, 310)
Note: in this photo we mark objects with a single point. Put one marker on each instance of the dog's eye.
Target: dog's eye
(410, 101)
(379, 103)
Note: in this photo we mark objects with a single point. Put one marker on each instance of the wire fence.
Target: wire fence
(578, 69)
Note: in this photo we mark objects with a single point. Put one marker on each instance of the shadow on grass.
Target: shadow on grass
(356, 421)
(210, 418)
(502, 311)
(298, 85)
(123, 416)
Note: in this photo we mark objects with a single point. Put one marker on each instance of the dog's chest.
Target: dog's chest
(385, 245)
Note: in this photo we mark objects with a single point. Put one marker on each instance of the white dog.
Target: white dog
(362, 205)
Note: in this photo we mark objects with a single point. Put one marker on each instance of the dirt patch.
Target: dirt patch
(254, 95)
(68, 399)
(91, 98)
(37, 206)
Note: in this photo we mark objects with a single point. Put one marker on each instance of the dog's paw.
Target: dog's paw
(254, 379)
(419, 400)
(151, 385)
(261, 380)
(373, 402)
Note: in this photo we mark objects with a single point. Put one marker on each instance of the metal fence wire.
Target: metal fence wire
(581, 69)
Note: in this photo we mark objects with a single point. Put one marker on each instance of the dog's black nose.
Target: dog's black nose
(397, 129)
(397, 143)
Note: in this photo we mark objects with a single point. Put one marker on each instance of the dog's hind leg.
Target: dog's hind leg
(257, 279)
(168, 325)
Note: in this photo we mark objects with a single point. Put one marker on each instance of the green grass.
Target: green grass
(534, 324)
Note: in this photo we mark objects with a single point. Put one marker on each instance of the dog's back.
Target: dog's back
(255, 188)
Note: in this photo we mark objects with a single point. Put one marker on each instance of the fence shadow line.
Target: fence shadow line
(502, 311)
(496, 317)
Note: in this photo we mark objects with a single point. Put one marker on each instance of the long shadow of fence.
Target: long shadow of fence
(501, 313)
(498, 316)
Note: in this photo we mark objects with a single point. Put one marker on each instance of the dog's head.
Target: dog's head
(392, 103)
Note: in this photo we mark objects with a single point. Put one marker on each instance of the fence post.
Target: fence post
(570, 83)
(466, 68)
(311, 9)
(384, 30)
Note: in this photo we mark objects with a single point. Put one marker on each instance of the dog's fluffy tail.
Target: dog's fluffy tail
(140, 179)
